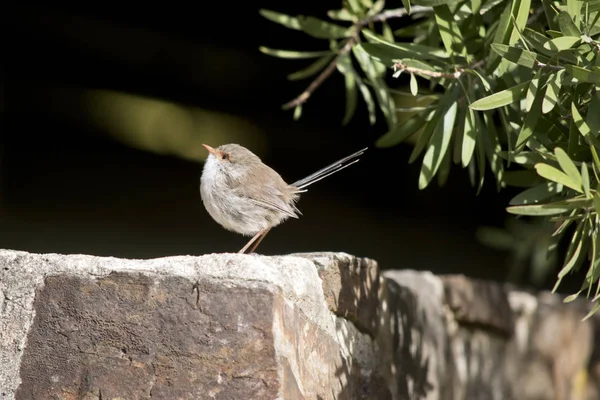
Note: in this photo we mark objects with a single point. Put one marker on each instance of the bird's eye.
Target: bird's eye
(225, 156)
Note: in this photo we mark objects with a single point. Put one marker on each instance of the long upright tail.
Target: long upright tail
(329, 170)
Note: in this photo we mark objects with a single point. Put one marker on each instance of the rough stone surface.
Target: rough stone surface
(305, 326)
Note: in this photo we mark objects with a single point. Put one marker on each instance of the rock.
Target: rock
(304, 326)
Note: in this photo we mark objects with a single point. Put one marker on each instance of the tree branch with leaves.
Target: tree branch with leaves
(512, 86)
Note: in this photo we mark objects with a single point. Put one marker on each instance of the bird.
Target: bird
(246, 196)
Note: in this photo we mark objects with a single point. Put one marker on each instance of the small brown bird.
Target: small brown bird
(248, 197)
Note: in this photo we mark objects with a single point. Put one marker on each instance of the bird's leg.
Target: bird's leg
(259, 240)
(251, 241)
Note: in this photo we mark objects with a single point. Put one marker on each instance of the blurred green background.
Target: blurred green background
(105, 110)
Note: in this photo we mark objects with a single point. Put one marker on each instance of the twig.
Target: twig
(434, 74)
(322, 76)
(352, 40)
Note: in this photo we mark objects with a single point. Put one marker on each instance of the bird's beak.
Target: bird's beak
(210, 149)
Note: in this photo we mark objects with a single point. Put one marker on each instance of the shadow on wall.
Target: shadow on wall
(396, 364)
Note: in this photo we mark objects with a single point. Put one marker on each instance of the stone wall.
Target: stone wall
(303, 326)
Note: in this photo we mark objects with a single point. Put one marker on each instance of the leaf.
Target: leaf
(293, 54)
(469, 138)
(583, 74)
(520, 20)
(552, 92)
(404, 130)
(536, 194)
(449, 30)
(297, 112)
(556, 175)
(593, 311)
(569, 168)
(585, 179)
(282, 19)
(501, 98)
(573, 251)
(559, 207)
(414, 86)
(532, 89)
(364, 91)
(322, 29)
(561, 43)
(519, 56)
(593, 118)
(532, 116)
(597, 203)
(567, 27)
(406, 4)
(438, 146)
(574, 9)
(425, 136)
(341, 15)
(484, 81)
(351, 97)
(407, 50)
(581, 125)
(433, 3)
(386, 102)
(311, 69)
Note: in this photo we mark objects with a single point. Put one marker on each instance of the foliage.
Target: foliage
(509, 85)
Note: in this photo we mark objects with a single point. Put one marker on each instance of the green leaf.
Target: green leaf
(364, 91)
(567, 27)
(562, 43)
(424, 138)
(585, 179)
(569, 168)
(406, 4)
(293, 54)
(519, 56)
(597, 203)
(556, 208)
(484, 81)
(556, 175)
(386, 102)
(537, 194)
(449, 30)
(404, 50)
(552, 92)
(312, 69)
(532, 117)
(322, 29)
(574, 9)
(469, 138)
(501, 98)
(581, 125)
(433, 3)
(438, 146)
(583, 74)
(593, 118)
(414, 86)
(282, 19)
(341, 15)
(521, 15)
(351, 97)
(404, 130)
(297, 112)
(593, 311)
(573, 251)
(533, 88)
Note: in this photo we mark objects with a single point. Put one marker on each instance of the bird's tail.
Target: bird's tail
(329, 170)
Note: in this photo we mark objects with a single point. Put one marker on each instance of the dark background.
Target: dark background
(70, 182)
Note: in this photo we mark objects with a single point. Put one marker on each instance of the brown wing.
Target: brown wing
(266, 188)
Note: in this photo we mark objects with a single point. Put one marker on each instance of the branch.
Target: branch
(326, 73)
(322, 76)
(434, 74)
